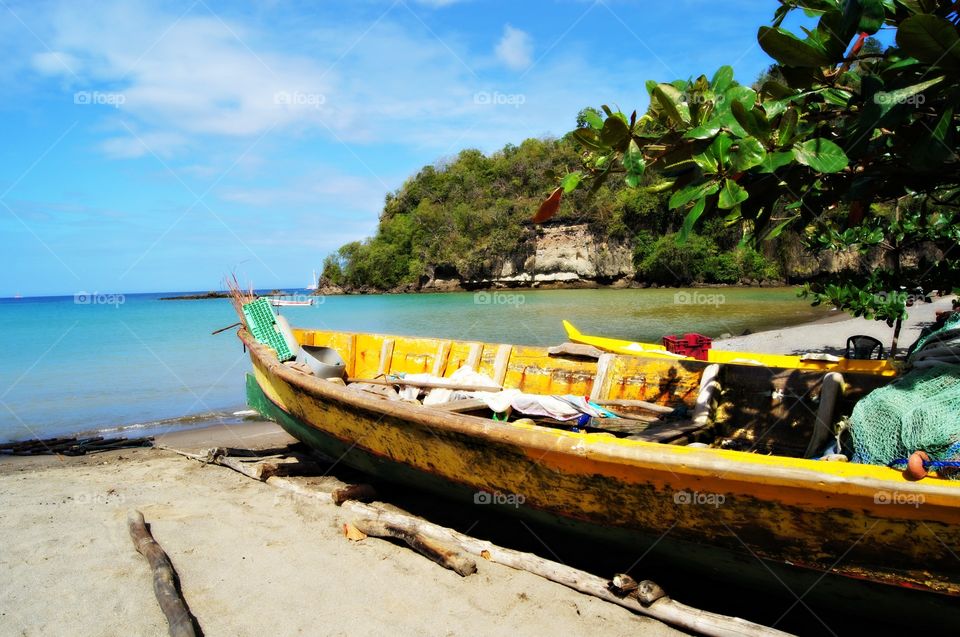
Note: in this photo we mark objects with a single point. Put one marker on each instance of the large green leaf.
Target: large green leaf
(716, 155)
(822, 155)
(593, 118)
(634, 164)
(772, 161)
(835, 29)
(788, 126)
(704, 131)
(670, 99)
(615, 132)
(786, 48)
(777, 230)
(571, 181)
(732, 195)
(691, 219)
(776, 90)
(693, 191)
(722, 79)
(589, 138)
(707, 162)
(888, 99)
(754, 120)
(743, 94)
(747, 153)
(837, 97)
(930, 39)
(873, 16)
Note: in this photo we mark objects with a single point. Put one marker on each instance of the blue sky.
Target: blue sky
(156, 146)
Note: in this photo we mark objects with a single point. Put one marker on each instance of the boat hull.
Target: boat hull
(661, 551)
(728, 510)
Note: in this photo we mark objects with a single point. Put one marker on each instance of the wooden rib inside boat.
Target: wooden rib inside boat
(747, 498)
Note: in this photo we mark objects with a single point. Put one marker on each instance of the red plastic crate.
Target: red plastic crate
(693, 345)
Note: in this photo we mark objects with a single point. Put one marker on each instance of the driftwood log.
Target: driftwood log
(443, 553)
(260, 468)
(649, 599)
(179, 620)
(359, 492)
(659, 607)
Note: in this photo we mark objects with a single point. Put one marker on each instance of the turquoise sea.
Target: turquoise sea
(112, 363)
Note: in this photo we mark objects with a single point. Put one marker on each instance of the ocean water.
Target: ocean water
(136, 365)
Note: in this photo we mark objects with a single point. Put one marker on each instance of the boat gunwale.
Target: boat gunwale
(729, 465)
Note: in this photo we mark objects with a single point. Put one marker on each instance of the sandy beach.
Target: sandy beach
(254, 559)
(830, 334)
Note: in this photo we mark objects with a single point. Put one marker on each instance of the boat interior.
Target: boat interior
(769, 410)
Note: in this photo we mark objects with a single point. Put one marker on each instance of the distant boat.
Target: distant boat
(17, 296)
(289, 303)
(313, 282)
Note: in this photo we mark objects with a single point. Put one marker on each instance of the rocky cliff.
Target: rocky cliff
(558, 255)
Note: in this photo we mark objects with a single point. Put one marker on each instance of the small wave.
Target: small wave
(195, 421)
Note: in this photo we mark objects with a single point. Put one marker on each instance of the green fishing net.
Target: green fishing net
(918, 411)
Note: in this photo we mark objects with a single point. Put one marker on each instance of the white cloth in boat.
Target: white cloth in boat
(463, 376)
(565, 407)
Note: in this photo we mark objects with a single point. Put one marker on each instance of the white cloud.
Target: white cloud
(193, 83)
(515, 48)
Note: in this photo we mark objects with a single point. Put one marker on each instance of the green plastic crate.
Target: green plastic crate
(263, 325)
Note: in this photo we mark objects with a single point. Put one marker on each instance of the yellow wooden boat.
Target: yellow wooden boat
(748, 505)
(815, 362)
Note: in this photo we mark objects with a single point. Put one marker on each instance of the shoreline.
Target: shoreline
(470, 287)
(809, 336)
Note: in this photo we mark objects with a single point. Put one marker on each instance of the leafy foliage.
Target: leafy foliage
(699, 259)
(469, 216)
(834, 126)
(466, 217)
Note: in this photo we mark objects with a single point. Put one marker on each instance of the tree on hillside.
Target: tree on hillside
(851, 145)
